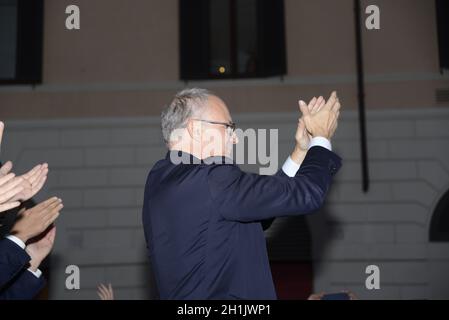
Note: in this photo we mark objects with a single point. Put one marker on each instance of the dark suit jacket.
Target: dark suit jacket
(202, 223)
(15, 281)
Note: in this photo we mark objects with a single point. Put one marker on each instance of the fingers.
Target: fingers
(5, 196)
(337, 106)
(38, 186)
(304, 128)
(103, 292)
(10, 194)
(301, 126)
(10, 186)
(303, 107)
(7, 178)
(53, 205)
(37, 177)
(5, 169)
(51, 234)
(332, 100)
(53, 210)
(319, 104)
(45, 204)
(9, 205)
(52, 214)
(51, 218)
(312, 103)
(32, 172)
(39, 172)
(111, 292)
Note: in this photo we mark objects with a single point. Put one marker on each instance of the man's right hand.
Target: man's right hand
(324, 122)
(36, 220)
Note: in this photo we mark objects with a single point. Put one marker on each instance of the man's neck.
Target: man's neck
(196, 154)
(187, 150)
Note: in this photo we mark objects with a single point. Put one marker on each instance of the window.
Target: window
(21, 32)
(439, 225)
(222, 39)
(443, 32)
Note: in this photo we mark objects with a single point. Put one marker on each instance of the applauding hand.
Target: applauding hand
(324, 122)
(36, 220)
(40, 248)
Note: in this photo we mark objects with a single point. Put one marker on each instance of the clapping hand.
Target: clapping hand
(302, 136)
(32, 182)
(324, 122)
(36, 220)
(40, 248)
(105, 293)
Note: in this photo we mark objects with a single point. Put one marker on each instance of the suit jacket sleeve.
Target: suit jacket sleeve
(25, 286)
(248, 197)
(15, 281)
(12, 260)
(266, 224)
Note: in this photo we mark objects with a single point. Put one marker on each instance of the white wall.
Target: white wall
(99, 167)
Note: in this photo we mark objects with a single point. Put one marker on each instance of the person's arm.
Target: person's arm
(268, 197)
(291, 167)
(13, 259)
(246, 197)
(25, 286)
(27, 283)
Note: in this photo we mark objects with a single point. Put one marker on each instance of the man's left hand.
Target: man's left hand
(302, 136)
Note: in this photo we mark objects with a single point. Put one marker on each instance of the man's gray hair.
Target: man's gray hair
(186, 103)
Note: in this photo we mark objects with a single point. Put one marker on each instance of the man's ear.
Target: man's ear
(190, 128)
(194, 129)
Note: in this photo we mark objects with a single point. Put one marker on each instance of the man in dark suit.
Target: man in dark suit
(202, 215)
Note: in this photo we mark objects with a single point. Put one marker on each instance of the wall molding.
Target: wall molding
(260, 118)
(274, 81)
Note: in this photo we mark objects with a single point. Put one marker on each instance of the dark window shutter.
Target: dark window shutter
(29, 41)
(271, 38)
(443, 32)
(194, 39)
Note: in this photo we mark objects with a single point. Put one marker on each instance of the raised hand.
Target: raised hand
(40, 248)
(10, 187)
(36, 220)
(325, 120)
(33, 181)
(105, 293)
(302, 136)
